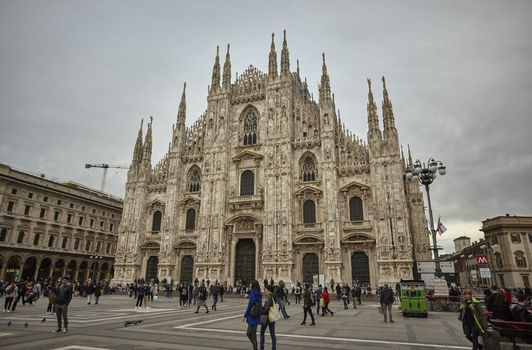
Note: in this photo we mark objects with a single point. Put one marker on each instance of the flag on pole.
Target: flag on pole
(441, 228)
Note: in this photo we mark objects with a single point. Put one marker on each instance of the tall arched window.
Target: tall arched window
(309, 212)
(98, 247)
(156, 221)
(191, 219)
(3, 235)
(194, 179)
(20, 238)
(355, 209)
(498, 260)
(65, 242)
(77, 243)
(247, 183)
(51, 241)
(250, 128)
(520, 259)
(308, 169)
(36, 239)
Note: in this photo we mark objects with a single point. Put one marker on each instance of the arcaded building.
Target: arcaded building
(50, 229)
(268, 183)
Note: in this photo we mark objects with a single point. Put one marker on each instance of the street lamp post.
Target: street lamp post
(425, 175)
(95, 258)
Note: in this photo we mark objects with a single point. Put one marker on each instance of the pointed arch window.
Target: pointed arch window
(308, 169)
(250, 128)
(247, 183)
(309, 212)
(194, 179)
(191, 219)
(156, 221)
(356, 212)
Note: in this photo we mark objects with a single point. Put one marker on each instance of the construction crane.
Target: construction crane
(105, 167)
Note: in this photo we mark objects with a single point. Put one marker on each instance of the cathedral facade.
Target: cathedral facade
(268, 183)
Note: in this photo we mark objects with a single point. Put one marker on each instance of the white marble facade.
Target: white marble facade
(266, 162)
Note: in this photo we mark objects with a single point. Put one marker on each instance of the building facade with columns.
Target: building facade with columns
(509, 240)
(52, 229)
(268, 183)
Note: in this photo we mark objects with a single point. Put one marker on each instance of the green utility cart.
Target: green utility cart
(413, 298)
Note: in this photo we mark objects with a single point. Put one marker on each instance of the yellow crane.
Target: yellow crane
(105, 167)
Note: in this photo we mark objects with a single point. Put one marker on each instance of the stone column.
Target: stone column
(3, 272)
(75, 277)
(232, 261)
(36, 274)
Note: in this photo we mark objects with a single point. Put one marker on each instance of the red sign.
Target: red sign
(482, 259)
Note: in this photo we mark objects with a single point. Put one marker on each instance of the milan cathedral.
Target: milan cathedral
(268, 183)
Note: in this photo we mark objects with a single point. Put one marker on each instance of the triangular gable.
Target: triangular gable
(247, 154)
(354, 184)
(190, 199)
(308, 188)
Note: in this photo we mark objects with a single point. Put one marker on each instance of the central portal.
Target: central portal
(245, 261)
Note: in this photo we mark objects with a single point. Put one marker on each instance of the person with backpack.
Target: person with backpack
(473, 321)
(139, 291)
(308, 303)
(202, 297)
(11, 292)
(253, 312)
(269, 303)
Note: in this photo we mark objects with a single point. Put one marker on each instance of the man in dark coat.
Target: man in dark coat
(63, 296)
(386, 300)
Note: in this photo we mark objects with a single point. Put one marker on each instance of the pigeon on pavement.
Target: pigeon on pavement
(26, 325)
(43, 320)
(9, 323)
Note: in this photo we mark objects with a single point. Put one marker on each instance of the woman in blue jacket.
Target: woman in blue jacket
(254, 297)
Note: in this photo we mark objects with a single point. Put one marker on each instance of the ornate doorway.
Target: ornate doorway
(186, 269)
(245, 261)
(151, 268)
(360, 268)
(310, 267)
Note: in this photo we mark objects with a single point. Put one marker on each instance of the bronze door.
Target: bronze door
(186, 269)
(360, 268)
(151, 268)
(310, 267)
(245, 261)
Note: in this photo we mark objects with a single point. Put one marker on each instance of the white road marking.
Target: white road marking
(209, 321)
(78, 347)
(298, 336)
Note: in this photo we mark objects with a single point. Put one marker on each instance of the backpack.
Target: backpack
(9, 290)
(256, 310)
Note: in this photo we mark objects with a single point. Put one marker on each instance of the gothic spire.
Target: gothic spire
(137, 153)
(325, 85)
(285, 60)
(182, 111)
(146, 158)
(373, 119)
(387, 111)
(299, 76)
(272, 62)
(215, 85)
(227, 71)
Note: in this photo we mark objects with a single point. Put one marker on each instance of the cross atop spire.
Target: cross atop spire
(227, 71)
(285, 60)
(272, 61)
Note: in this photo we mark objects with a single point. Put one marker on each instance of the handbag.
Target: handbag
(273, 313)
(322, 302)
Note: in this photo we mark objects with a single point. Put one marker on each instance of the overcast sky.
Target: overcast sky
(76, 78)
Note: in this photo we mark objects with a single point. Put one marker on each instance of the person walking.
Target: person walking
(354, 296)
(308, 303)
(63, 296)
(317, 298)
(386, 300)
(326, 300)
(345, 296)
(202, 298)
(251, 316)
(97, 293)
(280, 299)
(473, 321)
(11, 292)
(269, 302)
(215, 295)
